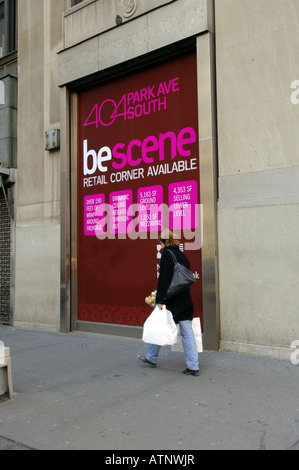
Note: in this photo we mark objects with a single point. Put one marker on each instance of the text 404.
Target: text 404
(106, 113)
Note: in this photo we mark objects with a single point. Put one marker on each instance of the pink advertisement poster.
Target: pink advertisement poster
(138, 173)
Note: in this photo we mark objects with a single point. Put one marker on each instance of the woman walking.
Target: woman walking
(181, 306)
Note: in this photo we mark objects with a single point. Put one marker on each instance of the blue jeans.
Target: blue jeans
(189, 345)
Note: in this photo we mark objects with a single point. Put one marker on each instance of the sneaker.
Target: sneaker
(187, 371)
(146, 361)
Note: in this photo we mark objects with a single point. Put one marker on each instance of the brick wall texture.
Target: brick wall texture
(5, 262)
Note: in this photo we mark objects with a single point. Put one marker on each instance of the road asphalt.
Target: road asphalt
(89, 392)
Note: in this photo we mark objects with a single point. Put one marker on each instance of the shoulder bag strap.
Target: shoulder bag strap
(173, 257)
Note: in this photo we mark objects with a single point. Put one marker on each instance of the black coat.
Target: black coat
(181, 306)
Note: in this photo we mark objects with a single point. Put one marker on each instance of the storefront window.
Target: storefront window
(8, 28)
(75, 2)
(2, 29)
(138, 173)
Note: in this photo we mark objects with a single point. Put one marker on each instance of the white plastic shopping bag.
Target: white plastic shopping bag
(196, 326)
(160, 328)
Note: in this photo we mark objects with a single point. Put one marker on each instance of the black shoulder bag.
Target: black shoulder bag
(182, 278)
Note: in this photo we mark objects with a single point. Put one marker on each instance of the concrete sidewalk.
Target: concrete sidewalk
(85, 391)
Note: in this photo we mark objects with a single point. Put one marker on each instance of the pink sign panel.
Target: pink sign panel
(94, 215)
(183, 205)
(120, 211)
(150, 210)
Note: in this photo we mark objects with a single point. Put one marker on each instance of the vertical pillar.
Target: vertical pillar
(208, 187)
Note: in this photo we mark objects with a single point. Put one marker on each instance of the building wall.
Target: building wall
(258, 151)
(76, 42)
(258, 143)
(37, 300)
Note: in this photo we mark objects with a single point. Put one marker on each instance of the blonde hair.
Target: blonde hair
(169, 238)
